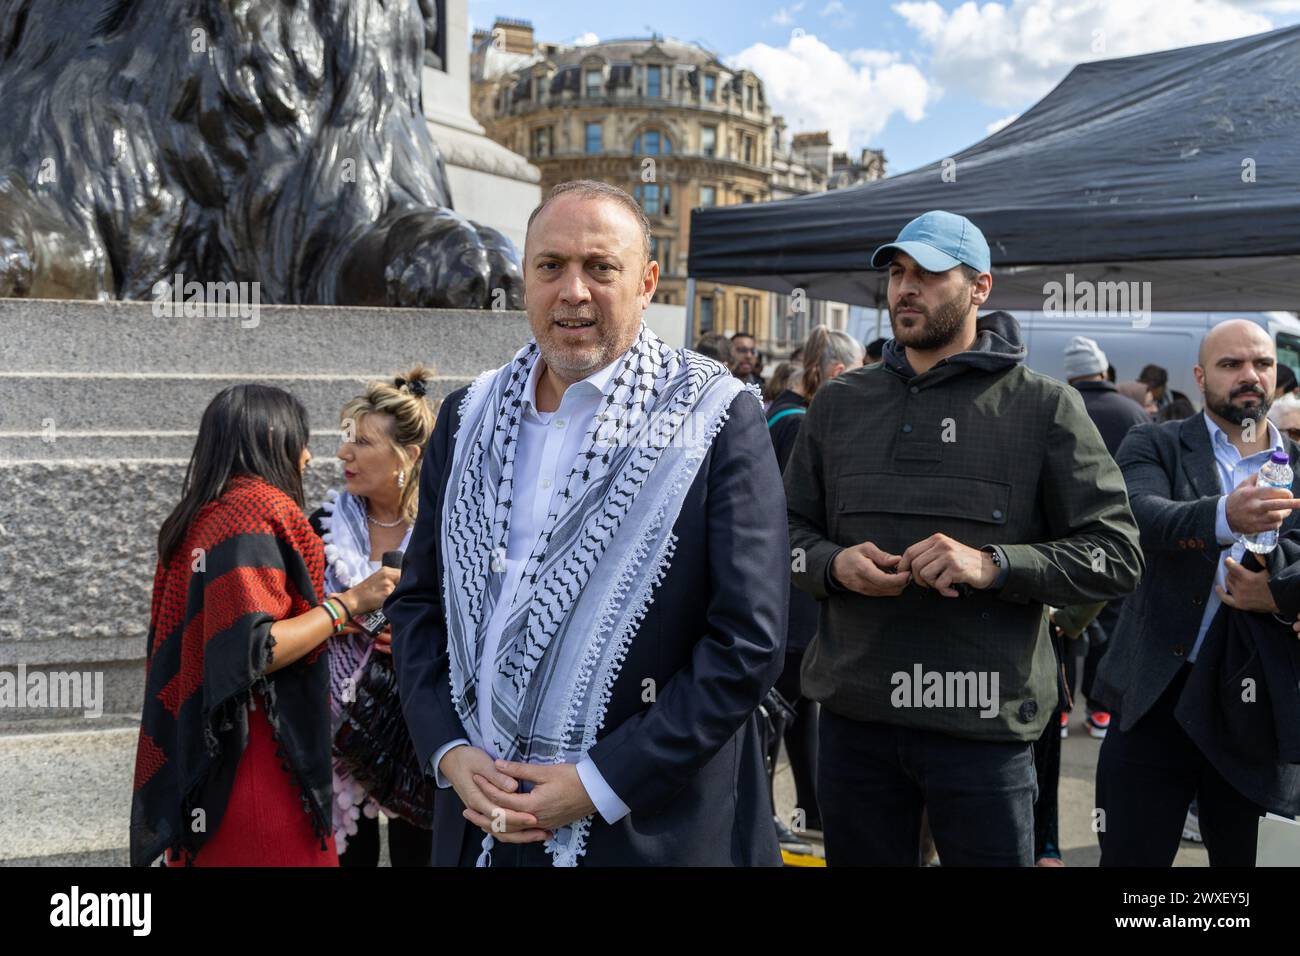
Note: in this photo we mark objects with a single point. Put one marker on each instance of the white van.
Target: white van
(1171, 340)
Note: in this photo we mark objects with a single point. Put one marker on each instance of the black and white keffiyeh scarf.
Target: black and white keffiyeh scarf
(605, 547)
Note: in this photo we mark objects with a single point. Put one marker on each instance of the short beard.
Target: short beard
(575, 360)
(940, 327)
(1222, 406)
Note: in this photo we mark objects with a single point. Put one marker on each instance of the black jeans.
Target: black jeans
(1146, 779)
(873, 780)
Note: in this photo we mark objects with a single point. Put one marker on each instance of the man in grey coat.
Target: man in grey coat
(937, 502)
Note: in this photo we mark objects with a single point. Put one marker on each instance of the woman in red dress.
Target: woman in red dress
(233, 761)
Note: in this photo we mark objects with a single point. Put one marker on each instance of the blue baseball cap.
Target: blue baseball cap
(939, 241)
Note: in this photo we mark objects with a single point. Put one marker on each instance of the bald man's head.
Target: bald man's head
(1231, 333)
(1237, 371)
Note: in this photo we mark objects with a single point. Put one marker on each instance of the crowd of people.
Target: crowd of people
(627, 581)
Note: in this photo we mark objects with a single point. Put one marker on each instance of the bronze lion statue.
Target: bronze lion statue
(271, 141)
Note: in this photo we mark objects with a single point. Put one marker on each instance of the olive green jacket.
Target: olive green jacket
(987, 452)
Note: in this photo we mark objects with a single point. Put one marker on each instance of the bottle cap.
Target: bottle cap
(1280, 458)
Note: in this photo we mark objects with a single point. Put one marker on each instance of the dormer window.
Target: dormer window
(654, 81)
(592, 82)
(710, 87)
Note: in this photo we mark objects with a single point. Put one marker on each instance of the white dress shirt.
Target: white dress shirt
(548, 444)
(1233, 470)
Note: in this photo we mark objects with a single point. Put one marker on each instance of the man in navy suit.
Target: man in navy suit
(1194, 492)
(584, 686)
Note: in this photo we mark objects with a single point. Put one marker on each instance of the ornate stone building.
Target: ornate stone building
(664, 119)
(672, 124)
(869, 166)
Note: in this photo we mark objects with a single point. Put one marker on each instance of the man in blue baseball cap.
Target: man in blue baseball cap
(938, 500)
(938, 274)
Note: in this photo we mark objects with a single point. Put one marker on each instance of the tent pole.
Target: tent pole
(690, 312)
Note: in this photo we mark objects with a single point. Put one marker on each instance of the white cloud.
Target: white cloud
(586, 39)
(1006, 54)
(851, 95)
(843, 18)
(784, 16)
(1001, 123)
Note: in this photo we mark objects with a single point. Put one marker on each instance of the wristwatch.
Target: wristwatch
(1000, 578)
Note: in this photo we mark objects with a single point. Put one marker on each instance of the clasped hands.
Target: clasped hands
(489, 789)
(937, 562)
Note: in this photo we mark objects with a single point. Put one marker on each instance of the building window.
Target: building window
(747, 197)
(749, 97)
(706, 314)
(709, 140)
(651, 143)
(747, 148)
(710, 87)
(593, 82)
(744, 313)
(708, 196)
(593, 138)
(661, 251)
(542, 141)
(652, 81)
(647, 194)
(653, 200)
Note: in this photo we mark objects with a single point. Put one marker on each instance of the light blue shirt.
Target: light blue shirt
(1233, 470)
(549, 443)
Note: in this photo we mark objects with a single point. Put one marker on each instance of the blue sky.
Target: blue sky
(921, 79)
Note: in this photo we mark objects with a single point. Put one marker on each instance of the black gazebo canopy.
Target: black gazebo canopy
(1181, 168)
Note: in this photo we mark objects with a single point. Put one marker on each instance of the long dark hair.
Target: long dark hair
(254, 430)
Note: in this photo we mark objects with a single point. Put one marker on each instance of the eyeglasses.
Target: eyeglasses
(744, 351)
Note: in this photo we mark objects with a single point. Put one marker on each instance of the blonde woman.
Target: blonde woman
(385, 430)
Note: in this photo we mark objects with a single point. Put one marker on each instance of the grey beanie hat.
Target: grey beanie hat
(1083, 357)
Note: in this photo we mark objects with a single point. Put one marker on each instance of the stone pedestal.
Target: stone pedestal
(99, 408)
(489, 183)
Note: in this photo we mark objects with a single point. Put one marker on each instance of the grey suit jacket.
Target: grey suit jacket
(1174, 489)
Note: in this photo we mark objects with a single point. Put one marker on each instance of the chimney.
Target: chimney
(516, 36)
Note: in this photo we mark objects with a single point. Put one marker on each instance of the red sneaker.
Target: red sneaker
(1098, 724)
(1065, 725)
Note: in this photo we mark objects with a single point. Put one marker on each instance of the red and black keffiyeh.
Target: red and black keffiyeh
(249, 559)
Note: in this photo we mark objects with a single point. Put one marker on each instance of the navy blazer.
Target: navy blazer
(689, 765)
(1173, 489)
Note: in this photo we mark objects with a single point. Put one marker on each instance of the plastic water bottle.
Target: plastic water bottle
(1276, 473)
